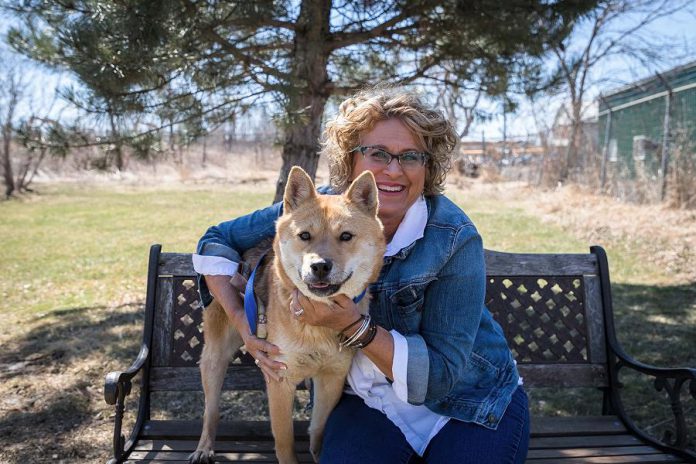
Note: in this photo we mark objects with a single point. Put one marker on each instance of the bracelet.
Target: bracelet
(362, 337)
(349, 341)
(348, 327)
(358, 333)
(369, 337)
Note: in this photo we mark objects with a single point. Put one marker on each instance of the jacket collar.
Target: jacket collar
(411, 228)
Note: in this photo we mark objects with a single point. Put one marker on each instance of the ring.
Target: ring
(256, 361)
(299, 312)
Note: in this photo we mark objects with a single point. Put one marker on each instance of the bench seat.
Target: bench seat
(566, 440)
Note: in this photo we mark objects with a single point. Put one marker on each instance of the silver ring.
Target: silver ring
(299, 312)
(256, 361)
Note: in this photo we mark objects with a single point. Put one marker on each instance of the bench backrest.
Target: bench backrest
(549, 306)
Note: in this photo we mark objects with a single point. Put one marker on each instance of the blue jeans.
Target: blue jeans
(356, 433)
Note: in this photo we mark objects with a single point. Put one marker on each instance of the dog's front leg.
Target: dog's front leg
(281, 396)
(328, 388)
(221, 342)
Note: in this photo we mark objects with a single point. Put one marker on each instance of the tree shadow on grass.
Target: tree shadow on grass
(51, 383)
(656, 324)
(73, 333)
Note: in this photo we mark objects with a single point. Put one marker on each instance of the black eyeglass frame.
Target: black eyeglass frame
(423, 155)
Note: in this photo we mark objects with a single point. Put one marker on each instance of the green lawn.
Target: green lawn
(76, 256)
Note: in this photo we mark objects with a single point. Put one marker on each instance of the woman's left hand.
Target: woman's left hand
(340, 313)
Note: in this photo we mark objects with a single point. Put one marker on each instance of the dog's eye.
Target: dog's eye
(345, 236)
(304, 236)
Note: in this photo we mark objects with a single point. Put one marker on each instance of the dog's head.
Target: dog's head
(329, 244)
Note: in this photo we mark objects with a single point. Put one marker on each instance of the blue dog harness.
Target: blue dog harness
(255, 314)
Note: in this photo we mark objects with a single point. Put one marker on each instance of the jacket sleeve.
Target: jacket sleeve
(231, 239)
(452, 309)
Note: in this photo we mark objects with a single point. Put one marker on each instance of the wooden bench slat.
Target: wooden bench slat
(577, 425)
(501, 263)
(228, 430)
(250, 378)
(588, 452)
(563, 375)
(268, 456)
(634, 459)
(259, 446)
(497, 263)
(583, 441)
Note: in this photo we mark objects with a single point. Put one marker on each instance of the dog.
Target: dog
(325, 245)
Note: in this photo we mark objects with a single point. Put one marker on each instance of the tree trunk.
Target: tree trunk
(571, 155)
(309, 94)
(6, 161)
(118, 143)
(7, 139)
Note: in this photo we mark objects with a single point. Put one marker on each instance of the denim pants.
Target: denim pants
(358, 434)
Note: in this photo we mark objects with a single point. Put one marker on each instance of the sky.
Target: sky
(680, 28)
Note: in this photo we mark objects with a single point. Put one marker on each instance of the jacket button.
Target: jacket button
(491, 419)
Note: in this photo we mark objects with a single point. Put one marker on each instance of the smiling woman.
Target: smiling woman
(433, 379)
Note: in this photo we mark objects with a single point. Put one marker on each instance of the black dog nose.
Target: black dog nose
(321, 268)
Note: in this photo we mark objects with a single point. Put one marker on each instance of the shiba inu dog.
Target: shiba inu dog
(325, 245)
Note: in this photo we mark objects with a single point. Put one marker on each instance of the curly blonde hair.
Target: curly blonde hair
(359, 114)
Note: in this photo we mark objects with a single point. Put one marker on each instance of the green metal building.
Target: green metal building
(641, 121)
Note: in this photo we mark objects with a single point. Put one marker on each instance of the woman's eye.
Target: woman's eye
(345, 236)
(304, 236)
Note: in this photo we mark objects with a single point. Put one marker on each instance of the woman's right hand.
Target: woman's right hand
(262, 351)
(230, 293)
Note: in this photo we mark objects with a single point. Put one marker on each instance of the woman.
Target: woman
(437, 383)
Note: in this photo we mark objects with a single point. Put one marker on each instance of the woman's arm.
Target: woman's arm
(218, 251)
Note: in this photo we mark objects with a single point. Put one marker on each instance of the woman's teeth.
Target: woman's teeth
(390, 188)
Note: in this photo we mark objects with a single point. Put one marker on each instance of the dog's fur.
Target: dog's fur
(308, 351)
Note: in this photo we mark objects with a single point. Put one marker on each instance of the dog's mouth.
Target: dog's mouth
(324, 289)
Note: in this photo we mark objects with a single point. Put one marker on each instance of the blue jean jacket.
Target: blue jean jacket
(432, 292)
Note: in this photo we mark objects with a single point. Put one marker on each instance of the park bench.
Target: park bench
(555, 310)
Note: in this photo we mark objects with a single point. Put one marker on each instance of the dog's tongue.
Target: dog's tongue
(320, 285)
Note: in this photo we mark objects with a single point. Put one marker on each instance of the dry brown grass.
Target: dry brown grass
(664, 236)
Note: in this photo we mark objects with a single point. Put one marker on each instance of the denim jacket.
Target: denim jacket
(432, 292)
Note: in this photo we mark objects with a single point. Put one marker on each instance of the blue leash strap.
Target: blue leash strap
(250, 307)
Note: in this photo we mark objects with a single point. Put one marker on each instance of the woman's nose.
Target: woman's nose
(393, 168)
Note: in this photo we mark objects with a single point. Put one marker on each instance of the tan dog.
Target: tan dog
(325, 245)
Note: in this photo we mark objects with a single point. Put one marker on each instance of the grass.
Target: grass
(74, 259)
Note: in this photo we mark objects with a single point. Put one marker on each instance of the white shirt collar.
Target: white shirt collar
(410, 229)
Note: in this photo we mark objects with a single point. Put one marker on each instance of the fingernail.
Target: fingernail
(284, 368)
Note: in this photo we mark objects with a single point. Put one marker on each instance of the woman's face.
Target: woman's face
(398, 188)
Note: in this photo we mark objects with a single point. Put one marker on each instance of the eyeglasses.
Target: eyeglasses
(376, 156)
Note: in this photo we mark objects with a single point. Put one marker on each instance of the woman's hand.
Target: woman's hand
(341, 312)
(261, 350)
(231, 291)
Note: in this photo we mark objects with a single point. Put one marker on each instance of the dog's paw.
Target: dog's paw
(202, 457)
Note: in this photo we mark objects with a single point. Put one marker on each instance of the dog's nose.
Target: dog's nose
(321, 268)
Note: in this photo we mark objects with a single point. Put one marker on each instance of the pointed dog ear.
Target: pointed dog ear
(298, 189)
(363, 192)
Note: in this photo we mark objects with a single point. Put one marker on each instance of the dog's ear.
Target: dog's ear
(363, 192)
(298, 189)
